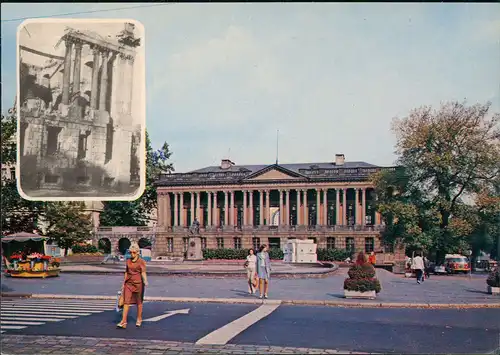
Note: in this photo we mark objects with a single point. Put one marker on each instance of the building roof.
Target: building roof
(231, 174)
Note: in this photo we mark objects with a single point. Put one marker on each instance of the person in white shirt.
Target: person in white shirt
(250, 265)
(417, 264)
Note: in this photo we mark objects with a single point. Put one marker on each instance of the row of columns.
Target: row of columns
(248, 208)
(101, 58)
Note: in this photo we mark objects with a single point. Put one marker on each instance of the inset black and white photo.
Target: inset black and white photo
(81, 105)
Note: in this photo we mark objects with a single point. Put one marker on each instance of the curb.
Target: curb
(259, 301)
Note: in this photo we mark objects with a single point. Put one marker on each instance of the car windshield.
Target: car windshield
(458, 260)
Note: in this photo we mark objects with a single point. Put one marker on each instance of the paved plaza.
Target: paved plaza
(459, 289)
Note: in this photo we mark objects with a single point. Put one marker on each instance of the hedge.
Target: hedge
(362, 279)
(84, 248)
(238, 254)
(333, 254)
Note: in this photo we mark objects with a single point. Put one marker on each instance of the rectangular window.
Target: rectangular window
(185, 242)
(349, 244)
(53, 140)
(388, 247)
(330, 243)
(369, 245)
(82, 146)
(274, 243)
(13, 173)
(237, 243)
(220, 243)
(170, 245)
(203, 243)
(256, 243)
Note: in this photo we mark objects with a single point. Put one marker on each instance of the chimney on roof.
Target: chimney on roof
(339, 159)
(226, 164)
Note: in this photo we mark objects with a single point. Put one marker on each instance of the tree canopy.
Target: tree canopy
(445, 188)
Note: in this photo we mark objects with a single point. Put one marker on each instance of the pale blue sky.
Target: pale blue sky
(329, 76)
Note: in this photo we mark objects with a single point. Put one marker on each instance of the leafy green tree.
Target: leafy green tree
(18, 214)
(67, 223)
(445, 155)
(137, 213)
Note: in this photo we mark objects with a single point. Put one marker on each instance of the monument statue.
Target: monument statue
(194, 251)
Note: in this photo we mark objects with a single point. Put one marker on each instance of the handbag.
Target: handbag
(245, 265)
(255, 281)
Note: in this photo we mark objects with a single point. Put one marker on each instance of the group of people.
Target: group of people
(258, 268)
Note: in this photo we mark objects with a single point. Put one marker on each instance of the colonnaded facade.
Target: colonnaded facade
(243, 206)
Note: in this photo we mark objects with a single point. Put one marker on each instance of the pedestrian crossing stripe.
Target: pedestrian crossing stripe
(20, 314)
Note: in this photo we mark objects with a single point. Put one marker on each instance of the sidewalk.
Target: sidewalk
(397, 291)
(226, 269)
(57, 345)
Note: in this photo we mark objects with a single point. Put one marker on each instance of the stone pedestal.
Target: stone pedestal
(194, 252)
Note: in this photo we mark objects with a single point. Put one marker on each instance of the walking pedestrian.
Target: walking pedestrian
(418, 265)
(133, 285)
(263, 270)
(250, 265)
(427, 266)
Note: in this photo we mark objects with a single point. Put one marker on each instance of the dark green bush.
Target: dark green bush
(84, 248)
(333, 254)
(365, 271)
(237, 254)
(493, 279)
(362, 285)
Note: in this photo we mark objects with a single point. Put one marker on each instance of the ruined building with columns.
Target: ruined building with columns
(78, 136)
(243, 206)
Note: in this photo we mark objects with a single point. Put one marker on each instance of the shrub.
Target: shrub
(365, 271)
(362, 285)
(84, 248)
(362, 277)
(333, 254)
(237, 254)
(493, 279)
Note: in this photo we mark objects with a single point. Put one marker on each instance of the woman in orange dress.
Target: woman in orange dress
(133, 286)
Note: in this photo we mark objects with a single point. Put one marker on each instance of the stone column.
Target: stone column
(67, 72)
(318, 207)
(268, 207)
(252, 219)
(363, 206)
(344, 207)
(282, 212)
(226, 209)
(215, 221)
(95, 79)
(160, 218)
(181, 210)
(168, 210)
(245, 207)
(104, 81)
(198, 206)
(356, 207)
(130, 81)
(261, 208)
(338, 221)
(78, 67)
(287, 216)
(305, 216)
(209, 208)
(297, 208)
(325, 207)
(231, 208)
(191, 209)
(176, 209)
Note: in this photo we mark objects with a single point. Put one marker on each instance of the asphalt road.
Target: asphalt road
(364, 330)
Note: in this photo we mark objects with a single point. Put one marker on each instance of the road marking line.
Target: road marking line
(68, 302)
(224, 334)
(20, 323)
(32, 308)
(11, 327)
(10, 318)
(62, 314)
(55, 305)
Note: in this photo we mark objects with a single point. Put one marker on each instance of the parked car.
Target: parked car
(440, 270)
(457, 263)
